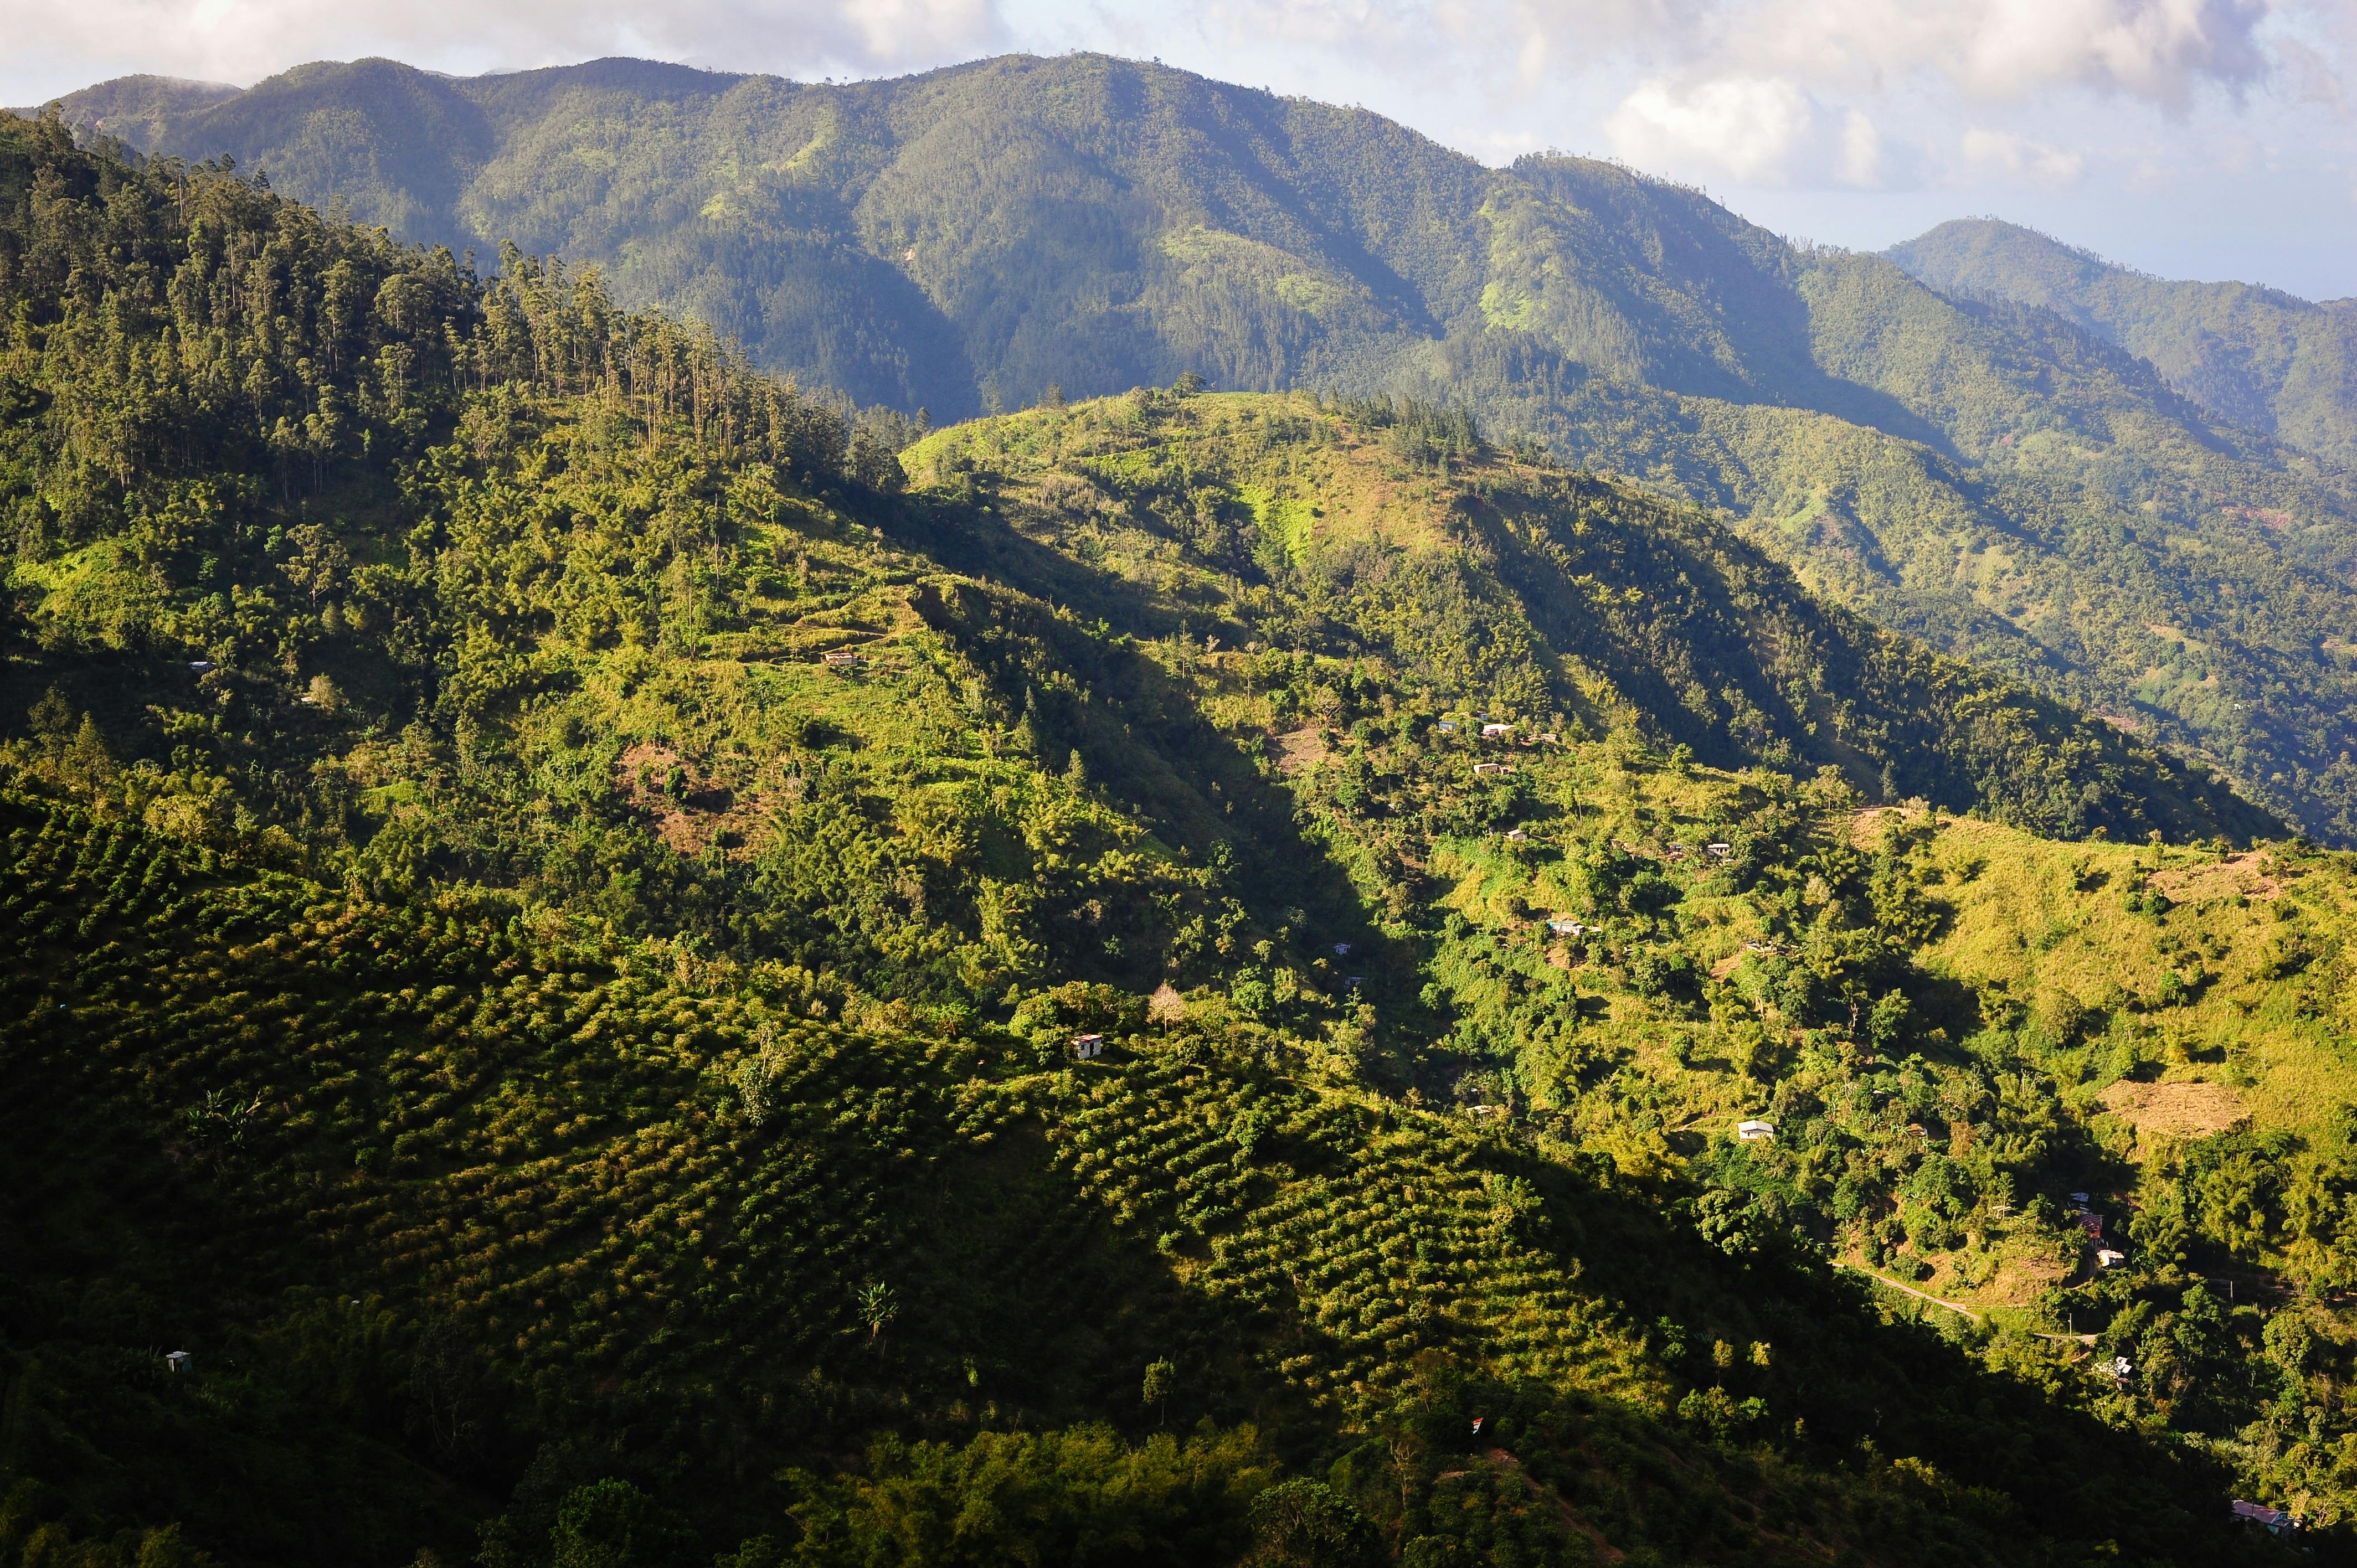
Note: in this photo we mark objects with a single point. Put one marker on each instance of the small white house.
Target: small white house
(1754, 1132)
(1496, 732)
(1087, 1047)
(2109, 1258)
(840, 657)
(177, 1360)
(1484, 770)
(1565, 926)
(1718, 850)
(1341, 949)
(1517, 836)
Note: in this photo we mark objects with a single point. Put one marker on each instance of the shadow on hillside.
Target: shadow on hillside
(1135, 727)
(1757, 1313)
(1024, 1305)
(966, 539)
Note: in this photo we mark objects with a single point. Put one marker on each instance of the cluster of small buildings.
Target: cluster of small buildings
(1491, 729)
(2092, 1224)
(1717, 850)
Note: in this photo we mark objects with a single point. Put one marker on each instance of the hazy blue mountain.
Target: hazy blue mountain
(2006, 477)
(2258, 356)
(141, 109)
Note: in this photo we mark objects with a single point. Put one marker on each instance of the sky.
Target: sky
(2190, 138)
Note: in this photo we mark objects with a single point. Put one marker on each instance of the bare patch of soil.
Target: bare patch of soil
(1869, 824)
(687, 805)
(1298, 749)
(2176, 1110)
(2251, 874)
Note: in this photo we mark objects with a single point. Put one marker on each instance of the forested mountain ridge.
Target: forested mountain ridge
(228, 512)
(1561, 603)
(2266, 360)
(591, 1077)
(2016, 491)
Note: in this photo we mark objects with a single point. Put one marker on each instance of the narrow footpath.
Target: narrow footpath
(1957, 1309)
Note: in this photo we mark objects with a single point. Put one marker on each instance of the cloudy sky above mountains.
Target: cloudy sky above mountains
(2213, 138)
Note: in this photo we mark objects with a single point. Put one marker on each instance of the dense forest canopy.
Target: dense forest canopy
(1993, 471)
(642, 964)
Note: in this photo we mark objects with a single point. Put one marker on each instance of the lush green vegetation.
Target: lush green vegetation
(590, 1080)
(1999, 480)
(2283, 366)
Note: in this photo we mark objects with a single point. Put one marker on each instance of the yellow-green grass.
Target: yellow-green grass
(2253, 941)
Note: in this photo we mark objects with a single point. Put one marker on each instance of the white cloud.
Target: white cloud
(1749, 126)
(1395, 31)
(1861, 152)
(2162, 51)
(241, 40)
(2006, 152)
(2313, 78)
(1756, 130)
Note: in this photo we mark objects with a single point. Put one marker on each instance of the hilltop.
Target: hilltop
(2010, 484)
(1549, 601)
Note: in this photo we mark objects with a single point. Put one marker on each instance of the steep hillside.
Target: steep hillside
(589, 1077)
(473, 1203)
(2018, 490)
(1549, 601)
(2263, 359)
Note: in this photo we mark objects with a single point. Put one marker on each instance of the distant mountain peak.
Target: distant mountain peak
(2257, 356)
(969, 238)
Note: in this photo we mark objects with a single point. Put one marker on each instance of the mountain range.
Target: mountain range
(607, 957)
(2131, 494)
(2269, 360)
